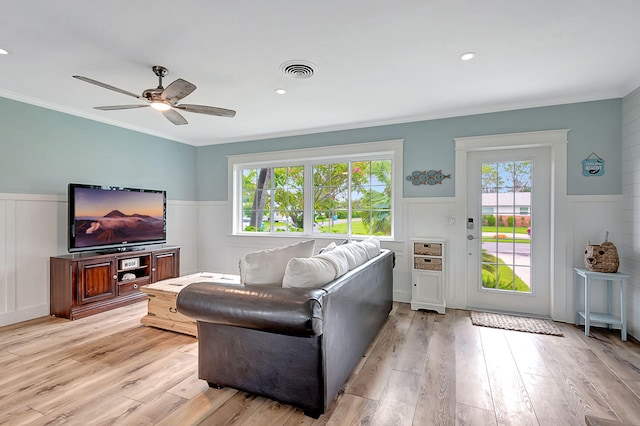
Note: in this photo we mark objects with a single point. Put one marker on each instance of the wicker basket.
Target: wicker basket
(427, 263)
(601, 258)
(427, 249)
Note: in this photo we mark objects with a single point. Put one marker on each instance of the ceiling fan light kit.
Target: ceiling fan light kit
(163, 99)
(160, 106)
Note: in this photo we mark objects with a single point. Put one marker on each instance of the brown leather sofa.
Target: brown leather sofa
(294, 345)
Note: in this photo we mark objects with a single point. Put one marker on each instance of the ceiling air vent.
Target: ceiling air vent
(298, 69)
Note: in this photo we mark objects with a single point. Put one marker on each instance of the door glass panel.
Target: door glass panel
(506, 220)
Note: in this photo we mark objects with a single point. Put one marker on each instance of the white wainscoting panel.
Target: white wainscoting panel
(214, 227)
(33, 244)
(590, 217)
(34, 227)
(182, 230)
(631, 191)
(28, 236)
(430, 217)
(4, 270)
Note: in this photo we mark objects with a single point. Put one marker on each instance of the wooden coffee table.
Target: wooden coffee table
(162, 312)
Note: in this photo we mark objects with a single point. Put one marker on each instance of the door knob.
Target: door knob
(471, 237)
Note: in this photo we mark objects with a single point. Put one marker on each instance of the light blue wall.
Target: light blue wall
(41, 151)
(595, 127)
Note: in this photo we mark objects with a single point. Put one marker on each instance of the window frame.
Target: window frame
(390, 149)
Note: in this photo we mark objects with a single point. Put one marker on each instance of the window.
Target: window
(353, 198)
(272, 199)
(303, 192)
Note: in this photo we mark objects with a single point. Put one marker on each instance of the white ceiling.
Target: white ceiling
(378, 61)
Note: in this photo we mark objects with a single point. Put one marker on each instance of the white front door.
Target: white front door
(508, 245)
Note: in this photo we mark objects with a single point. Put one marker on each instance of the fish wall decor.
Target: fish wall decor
(427, 177)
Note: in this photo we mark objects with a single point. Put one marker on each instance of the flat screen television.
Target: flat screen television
(111, 219)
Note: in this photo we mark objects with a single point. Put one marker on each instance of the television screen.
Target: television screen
(113, 218)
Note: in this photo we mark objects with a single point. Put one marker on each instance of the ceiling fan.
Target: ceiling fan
(163, 99)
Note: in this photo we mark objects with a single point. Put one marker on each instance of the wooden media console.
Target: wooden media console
(86, 284)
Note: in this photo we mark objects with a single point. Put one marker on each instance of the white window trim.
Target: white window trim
(365, 151)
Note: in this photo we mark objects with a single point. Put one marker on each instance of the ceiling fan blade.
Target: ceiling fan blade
(175, 117)
(107, 86)
(116, 107)
(209, 110)
(178, 90)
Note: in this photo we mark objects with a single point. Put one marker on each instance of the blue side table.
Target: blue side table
(608, 318)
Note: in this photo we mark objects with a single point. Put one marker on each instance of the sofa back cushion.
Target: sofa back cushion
(267, 267)
(323, 268)
(311, 272)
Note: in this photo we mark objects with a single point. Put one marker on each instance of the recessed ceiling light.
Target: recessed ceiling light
(281, 91)
(4, 52)
(467, 56)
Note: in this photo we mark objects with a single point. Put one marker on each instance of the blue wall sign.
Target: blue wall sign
(593, 165)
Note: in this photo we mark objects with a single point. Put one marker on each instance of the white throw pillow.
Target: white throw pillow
(268, 266)
(375, 241)
(308, 272)
(356, 254)
(338, 258)
(372, 246)
(329, 247)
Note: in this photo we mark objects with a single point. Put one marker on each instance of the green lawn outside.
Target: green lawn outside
(505, 229)
(505, 240)
(505, 276)
(357, 227)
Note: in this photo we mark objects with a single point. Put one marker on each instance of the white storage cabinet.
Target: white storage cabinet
(428, 274)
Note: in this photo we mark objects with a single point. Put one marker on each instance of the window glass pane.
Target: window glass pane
(349, 198)
(505, 245)
(369, 197)
(490, 178)
(257, 207)
(295, 220)
(360, 201)
(381, 222)
(331, 198)
(288, 198)
(272, 199)
(322, 222)
(361, 174)
(339, 173)
(506, 173)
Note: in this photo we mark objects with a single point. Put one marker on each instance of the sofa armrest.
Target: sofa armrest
(292, 311)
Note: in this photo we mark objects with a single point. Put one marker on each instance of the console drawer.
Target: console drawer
(128, 287)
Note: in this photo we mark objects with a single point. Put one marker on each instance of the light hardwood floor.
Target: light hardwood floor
(423, 369)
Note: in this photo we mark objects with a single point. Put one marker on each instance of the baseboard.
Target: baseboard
(401, 296)
(24, 314)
